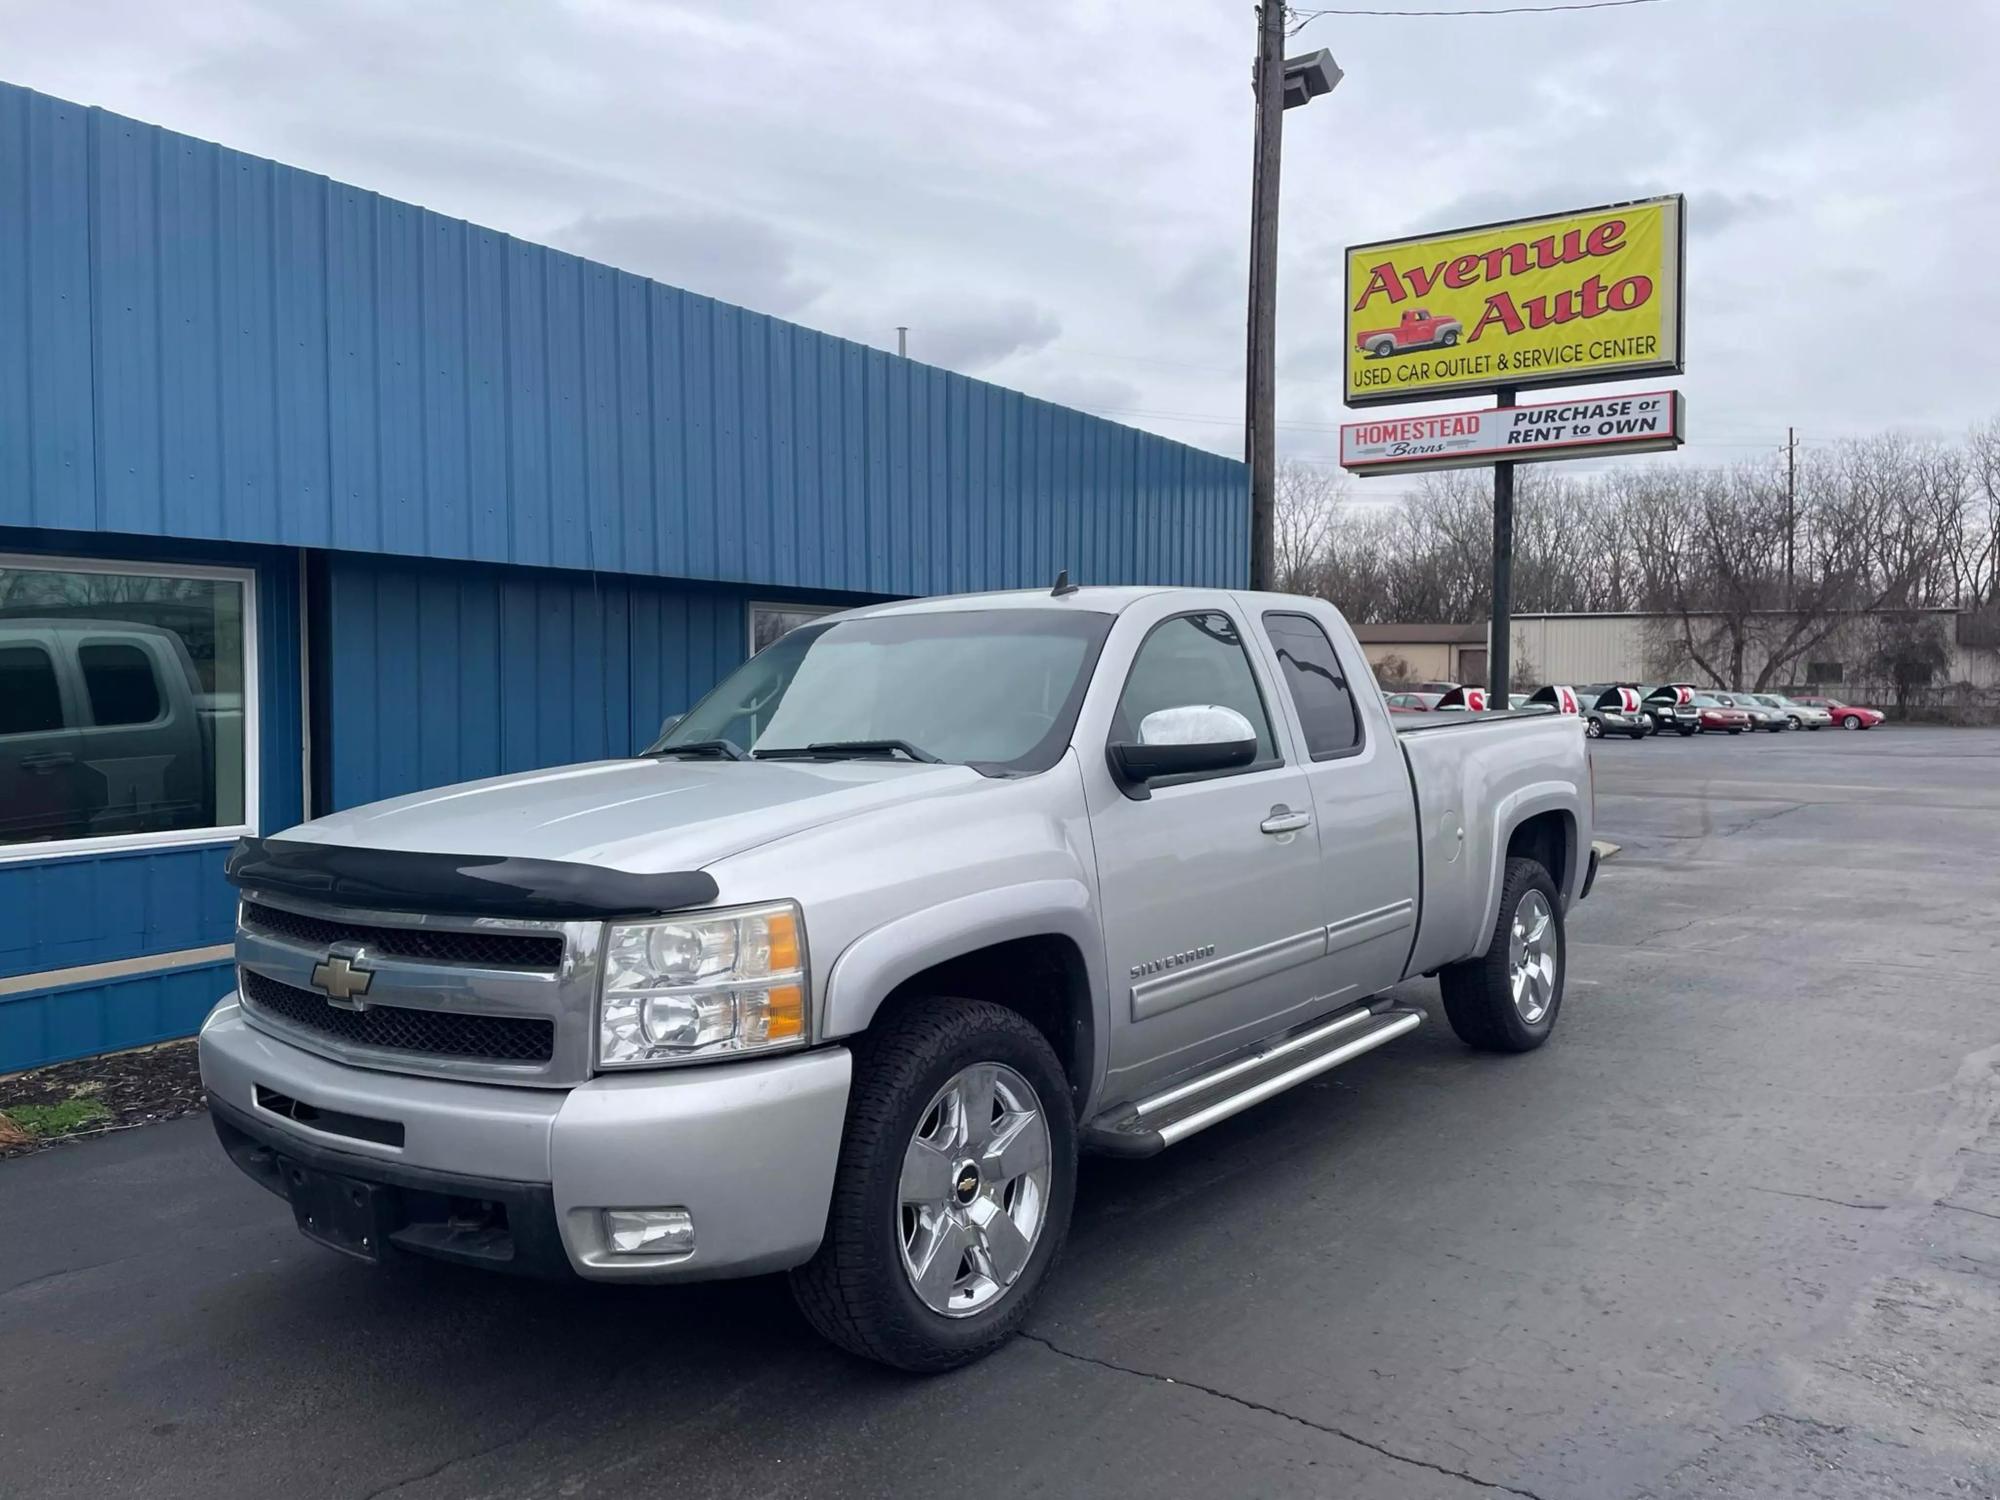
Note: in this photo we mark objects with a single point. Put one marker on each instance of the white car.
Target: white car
(1802, 715)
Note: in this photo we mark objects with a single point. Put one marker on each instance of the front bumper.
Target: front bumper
(748, 1148)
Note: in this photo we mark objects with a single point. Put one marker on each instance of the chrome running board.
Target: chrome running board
(1174, 1114)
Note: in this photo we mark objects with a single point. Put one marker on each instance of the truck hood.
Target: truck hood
(644, 816)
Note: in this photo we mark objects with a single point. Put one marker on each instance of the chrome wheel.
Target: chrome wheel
(1532, 957)
(974, 1190)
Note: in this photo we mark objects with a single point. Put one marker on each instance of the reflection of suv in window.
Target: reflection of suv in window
(102, 732)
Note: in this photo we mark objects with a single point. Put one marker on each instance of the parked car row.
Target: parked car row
(1636, 711)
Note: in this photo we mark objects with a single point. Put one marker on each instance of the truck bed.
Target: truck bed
(1503, 766)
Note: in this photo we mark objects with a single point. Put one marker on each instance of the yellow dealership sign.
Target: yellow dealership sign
(1583, 296)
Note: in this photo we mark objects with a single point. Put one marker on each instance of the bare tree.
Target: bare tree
(1307, 499)
(1885, 523)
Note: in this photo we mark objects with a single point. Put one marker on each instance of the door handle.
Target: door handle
(47, 760)
(1283, 820)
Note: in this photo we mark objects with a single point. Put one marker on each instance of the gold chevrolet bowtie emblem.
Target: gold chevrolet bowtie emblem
(342, 980)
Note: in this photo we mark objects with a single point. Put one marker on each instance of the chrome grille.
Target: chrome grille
(486, 950)
(396, 1028)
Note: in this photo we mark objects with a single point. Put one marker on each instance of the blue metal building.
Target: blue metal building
(309, 497)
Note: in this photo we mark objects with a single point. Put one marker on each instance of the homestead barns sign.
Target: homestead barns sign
(1592, 427)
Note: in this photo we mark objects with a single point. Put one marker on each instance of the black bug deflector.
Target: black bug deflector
(484, 885)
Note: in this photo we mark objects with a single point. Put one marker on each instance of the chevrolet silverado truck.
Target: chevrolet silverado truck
(1416, 329)
(840, 976)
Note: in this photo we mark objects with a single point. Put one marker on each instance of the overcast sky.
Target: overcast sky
(1054, 194)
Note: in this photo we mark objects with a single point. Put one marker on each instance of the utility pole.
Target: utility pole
(902, 341)
(1500, 634)
(1261, 363)
(1791, 508)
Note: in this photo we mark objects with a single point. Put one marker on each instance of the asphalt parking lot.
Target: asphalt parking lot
(1735, 1231)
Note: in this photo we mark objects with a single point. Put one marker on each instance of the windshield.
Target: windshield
(996, 689)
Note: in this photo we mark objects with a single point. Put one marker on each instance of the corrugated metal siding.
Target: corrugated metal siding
(1583, 648)
(199, 343)
(442, 674)
(1611, 648)
(38, 1029)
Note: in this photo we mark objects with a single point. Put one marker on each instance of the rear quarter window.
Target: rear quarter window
(121, 682)
(1317, 683)
(30, 702)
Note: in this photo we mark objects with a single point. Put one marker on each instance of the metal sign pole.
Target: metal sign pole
(1500, 636)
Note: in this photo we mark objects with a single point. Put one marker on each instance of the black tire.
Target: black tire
(1593, 729)
(1638, 734)
(1381, 349)
(1793, 720)
(1478, 993)
(855, 1291)
(1448, 338)
(1852, 721)
(1688, 733)
(1738, 729)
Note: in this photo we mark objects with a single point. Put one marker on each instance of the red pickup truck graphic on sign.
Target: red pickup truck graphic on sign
(1418, 330)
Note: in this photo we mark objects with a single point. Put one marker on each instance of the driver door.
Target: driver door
(1208, 885)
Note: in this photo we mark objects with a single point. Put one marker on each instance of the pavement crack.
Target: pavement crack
(395, 1486)
(1667, 932)
(1250, 1405)
(1966, 1208)
(48, 1276)
(1759, 820)
(1822, 1198)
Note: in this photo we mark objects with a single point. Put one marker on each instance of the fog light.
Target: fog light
(649, 1231)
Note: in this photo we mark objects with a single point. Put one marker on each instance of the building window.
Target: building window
(770, 621)
(127, 713)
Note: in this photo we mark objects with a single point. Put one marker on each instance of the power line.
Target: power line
(1303, 18)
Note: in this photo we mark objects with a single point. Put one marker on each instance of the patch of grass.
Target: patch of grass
(66, 1118)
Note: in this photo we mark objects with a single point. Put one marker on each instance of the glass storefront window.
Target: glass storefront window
(126, 716)
(770, 621)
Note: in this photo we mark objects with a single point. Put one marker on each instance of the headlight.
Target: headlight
(703, 986)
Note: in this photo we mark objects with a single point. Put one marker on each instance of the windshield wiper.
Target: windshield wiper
(725, 749)
(846, 749)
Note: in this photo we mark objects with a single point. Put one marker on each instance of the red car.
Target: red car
(1411, 703)
(1418, 330)
(1717, 715)
(1845, 715)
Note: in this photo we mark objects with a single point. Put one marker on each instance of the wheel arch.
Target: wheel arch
(1539, 823)
(983, 947)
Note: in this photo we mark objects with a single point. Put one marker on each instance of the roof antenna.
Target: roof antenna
(1063, 585)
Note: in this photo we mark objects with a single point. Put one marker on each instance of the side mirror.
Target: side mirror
(1184, 741)
(667, 725)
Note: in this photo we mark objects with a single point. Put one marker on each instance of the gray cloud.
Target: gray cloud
(812, 159)
(1104, 394)
(1713, 212)
(729, 256)
(966, 333)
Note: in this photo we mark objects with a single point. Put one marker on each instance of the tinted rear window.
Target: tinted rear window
(29, 701)
(1318, 686)
(119, 677)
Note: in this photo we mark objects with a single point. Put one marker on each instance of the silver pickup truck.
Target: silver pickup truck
(840, 976)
